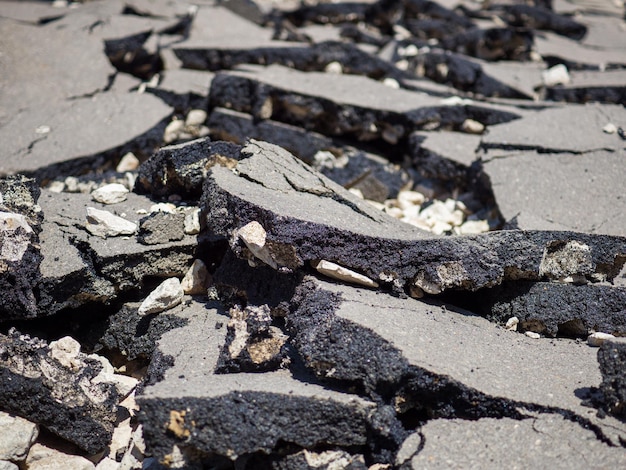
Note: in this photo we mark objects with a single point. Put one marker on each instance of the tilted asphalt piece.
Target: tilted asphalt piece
(181, 169)
(551, 308)
(552, 189)
(65, 400)
(612, 359)
(208, 417)
(307, 217)
(79, 268)
(346, 105)
(430, 361)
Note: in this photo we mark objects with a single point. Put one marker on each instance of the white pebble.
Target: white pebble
(253, 235)
(341, 273)
(110, 193)
(391, 82)
(557, 75)
(167, 295)
(104, 224)
(610, 128)
(173, 131)
(511, 324)
(197, 279)
(596, 339)
(533, 335)
(196, 117)
(163, 207)
(56, 187)
(128, 162)
(471, 126)
(410, 198)
(192, 222)
(334, 67)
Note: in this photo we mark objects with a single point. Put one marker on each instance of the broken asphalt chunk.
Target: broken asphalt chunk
(311, 218)
(612, 359)
(345, 105)
(181, 169)
(68, 401)
(430, 361)
(193, 412)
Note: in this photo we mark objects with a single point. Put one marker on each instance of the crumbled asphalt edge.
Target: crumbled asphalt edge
(39, 387)
(383, 374)
(550, 308)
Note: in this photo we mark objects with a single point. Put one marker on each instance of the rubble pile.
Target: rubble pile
(385, 234)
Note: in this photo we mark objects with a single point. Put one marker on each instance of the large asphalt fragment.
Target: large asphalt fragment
(192, 413)
(612, 359)
(344, 105)
(438, 362)
(301, 218)
(62, 393)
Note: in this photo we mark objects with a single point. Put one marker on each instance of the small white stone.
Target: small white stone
(121, 439)
(192, 222)
(56, 187)
(104, 224)
(15, 236)
(410, 198)
(533, 335)
(471, 126)
(439, 227)
(197, 279)
(395, 212)
(254, 236)
(6, 465)
(596, 339)
(16, 436)
(402, 64)
(66, 351)
(340, 273)
(124, 384)
(167, 295)
(334, 67)
(173, 131)
(163, 207)
(110, 193)
(43, 130)
(357, 192)
(72, 184)
(41, 457)
(474, 226)
(557, 75)
(391, 82)
(409, 51)
(129, 162)
(511, 324)
(610, 128)
(196, 117)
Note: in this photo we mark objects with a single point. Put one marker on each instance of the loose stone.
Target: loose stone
(340, 273)
(254, 236)
(192, 222)
(196, 117)
(511, 324)
(533, 335)
(128, 162)
(104, 224)
(557, 75)
(167, 295)
(197, 279)
(16, 437)
(596, 339)
(472, 127)
(41, 457)
(110, 193)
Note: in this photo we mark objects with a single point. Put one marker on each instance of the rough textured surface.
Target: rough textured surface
(552, 308)
(222, 414)
(307, 217)
(554, 188)
(66, 401)
(612, 359)
(434, 361)
(543, 440)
